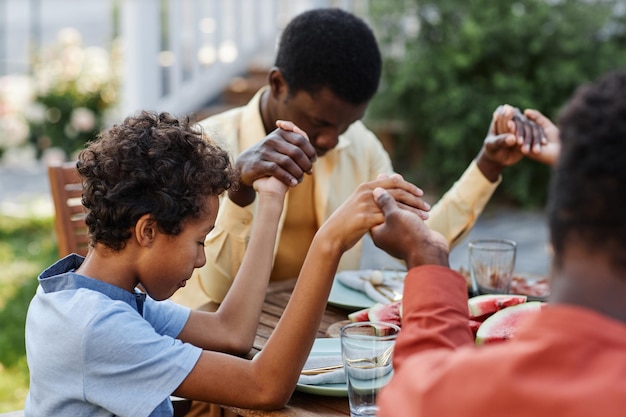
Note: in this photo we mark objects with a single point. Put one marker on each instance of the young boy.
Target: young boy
(97, 346)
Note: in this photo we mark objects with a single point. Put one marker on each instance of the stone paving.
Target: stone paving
(528, 228)
(25, 190)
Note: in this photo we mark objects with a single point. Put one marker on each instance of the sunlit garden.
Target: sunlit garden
(46, 116)
(65, 101)
(27, 245)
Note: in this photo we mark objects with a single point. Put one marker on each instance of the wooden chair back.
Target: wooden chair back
(69, 219)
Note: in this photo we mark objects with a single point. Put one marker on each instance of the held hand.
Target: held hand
(548, 153)
(359, 212)
(509, 134)
(412, 200)
(285, 154)
(271, 186)
(405, 235)
(530, 135)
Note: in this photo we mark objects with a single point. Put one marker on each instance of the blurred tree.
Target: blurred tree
(74, 89)
(449, 63)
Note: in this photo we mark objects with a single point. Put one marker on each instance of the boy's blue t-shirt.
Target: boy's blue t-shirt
(90, 351)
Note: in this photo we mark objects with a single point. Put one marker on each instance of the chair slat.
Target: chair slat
(69, 220)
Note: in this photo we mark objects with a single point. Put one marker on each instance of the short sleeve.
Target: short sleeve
(132, 365)
(167, 317)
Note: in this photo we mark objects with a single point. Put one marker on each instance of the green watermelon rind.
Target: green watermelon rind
(502, 324)
(481, 305)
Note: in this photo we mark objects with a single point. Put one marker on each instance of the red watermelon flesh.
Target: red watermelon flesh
(474, 325)
(360, 315)
(502, 324)
(484, 305)
(388, 313)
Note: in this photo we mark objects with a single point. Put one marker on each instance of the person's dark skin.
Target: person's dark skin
(545, 151)
(287, 155)
(570, 278)
(511, 136)
(571, 283)
(324, 117)
(423, 246)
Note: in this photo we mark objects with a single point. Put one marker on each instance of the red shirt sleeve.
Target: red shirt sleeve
(434, 312)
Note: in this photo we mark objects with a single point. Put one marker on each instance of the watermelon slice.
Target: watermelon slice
(474, 325)
(388, 313)
(487, 304)
(360, 315)
(502, 324)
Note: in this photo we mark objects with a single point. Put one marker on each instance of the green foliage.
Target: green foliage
(74, 88)
(55, 130)
(444, 78)
(27, 246)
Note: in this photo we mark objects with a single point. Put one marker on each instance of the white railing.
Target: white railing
(181, 63)
(178, 54)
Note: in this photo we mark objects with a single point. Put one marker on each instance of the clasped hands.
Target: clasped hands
(514, 134)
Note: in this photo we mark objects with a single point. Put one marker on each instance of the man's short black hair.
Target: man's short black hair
(330, 48)
(588, 195)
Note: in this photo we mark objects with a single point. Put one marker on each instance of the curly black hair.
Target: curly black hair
(151, 163)
(331, 48)
(588, 190)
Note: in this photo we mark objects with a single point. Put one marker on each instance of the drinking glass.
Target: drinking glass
(367, 350)
(491, 264)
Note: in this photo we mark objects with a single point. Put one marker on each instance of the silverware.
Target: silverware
(380, 360)
(388, 293)
(321, 370)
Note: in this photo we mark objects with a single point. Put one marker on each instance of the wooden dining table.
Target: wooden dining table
(300, 404)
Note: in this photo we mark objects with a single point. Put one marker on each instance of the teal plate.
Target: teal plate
(324, 347)
(345, 297)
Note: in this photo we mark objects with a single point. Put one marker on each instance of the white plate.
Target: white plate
(351, 299)
(324, 347)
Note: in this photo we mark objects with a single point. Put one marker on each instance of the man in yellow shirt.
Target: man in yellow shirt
(327, 69)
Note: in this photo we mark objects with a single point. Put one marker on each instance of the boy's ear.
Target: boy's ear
(146, 230)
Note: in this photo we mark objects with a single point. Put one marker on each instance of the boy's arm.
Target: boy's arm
(224, 249)
(232, 327)
(269, 379)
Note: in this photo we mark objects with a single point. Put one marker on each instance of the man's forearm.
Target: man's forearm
(490, 169)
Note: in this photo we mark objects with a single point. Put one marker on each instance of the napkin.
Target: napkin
(367, 374)
(334, 377)
(381, 286)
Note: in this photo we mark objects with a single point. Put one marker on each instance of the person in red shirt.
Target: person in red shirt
(568, 360)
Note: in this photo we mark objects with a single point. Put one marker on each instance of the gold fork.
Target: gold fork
(379, 360)
(388, 292)
(321, 370)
